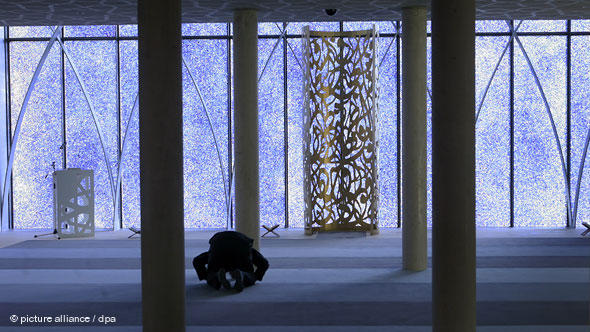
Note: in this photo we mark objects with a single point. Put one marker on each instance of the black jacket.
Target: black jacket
(231, 250)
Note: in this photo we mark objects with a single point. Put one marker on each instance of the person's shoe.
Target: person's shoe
(237, 275)
(223, 279)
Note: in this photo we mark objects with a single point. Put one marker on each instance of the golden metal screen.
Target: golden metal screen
(340, 139)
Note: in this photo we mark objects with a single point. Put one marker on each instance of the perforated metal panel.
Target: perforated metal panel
(340, 139)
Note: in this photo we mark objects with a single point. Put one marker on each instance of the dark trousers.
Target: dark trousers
(213, 279)
(210, 273)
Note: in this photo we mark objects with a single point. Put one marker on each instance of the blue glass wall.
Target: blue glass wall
(271, 128)
(96, 64)
(204, 190)
(40, 137)
(129, 134)
(522, 184)
(492, 132)
(580, 123)
(539, 183)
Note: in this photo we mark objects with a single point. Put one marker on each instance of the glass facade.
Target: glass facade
(492, 131)
(39, 145)
(532, 129)
(205, 121)
(538, 175)
(92, 125)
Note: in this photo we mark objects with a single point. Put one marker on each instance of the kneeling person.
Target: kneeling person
(231, 252)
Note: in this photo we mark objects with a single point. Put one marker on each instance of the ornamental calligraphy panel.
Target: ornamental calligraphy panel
(340, 138)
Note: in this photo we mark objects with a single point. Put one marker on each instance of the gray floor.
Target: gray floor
(537, 280)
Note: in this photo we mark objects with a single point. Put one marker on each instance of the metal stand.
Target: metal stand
(270, 230)
(135, 232)
(46, 234)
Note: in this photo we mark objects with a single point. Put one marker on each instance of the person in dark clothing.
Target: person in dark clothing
(231, 252)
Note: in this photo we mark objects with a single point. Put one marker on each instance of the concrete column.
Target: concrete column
(453, 165)
(246, 123)
(414, 240)
(161, 172)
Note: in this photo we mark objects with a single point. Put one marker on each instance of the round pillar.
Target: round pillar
(414, 238)
(247, 210)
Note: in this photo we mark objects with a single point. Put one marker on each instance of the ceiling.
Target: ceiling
(84, 12)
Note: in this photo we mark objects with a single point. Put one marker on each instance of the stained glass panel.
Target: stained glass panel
(387, 131)
(539, 183)
(542, 26)
(271, 132)
(296, 28)
(381, 26)
(580, 123)
(538, 179)
(581, 25)
(491, 26)
(492, 133)
(295, 126)
(29, 32)
(204, 29)
(270, 28)
(204, 192)
(96, 63)
(40, 137)
(90, 31)
(128, 30)
(131, 211)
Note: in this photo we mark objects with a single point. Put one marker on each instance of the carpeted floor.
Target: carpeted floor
(327, 283)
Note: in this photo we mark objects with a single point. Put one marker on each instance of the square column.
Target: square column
(161, 166)
(453, 165)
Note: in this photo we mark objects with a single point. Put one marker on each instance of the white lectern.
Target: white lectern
(73, 202)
